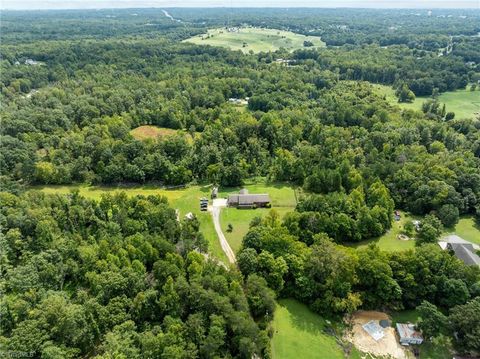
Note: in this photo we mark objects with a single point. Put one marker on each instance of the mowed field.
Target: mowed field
(254, 39)
(464, 103)
(299, 333)
(389, 241)
(148, 131)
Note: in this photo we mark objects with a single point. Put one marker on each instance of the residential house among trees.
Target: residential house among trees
(246, 200)
(462, 249)
(408, 335)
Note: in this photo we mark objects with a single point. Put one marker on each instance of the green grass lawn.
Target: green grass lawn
(389, 241)
(240, 220)
(255, 39)
(464, 103)
(298, 333)
(283, 201)
(467, 229)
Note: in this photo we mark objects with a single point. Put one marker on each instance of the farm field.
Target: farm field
(255, 39)
(299, 333)
(464, 103)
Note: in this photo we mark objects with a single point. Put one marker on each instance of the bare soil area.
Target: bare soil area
(388, 346)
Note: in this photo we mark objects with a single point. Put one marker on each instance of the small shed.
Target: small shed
(374, 329)
(214, 192)
(408, 335)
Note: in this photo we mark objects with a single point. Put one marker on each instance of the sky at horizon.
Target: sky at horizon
(98, 4)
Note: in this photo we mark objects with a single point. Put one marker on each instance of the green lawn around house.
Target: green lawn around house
(240, 220)
(283, 201)
(467, 229)
(389, 241)
(299, 333)
(464, 103)
(254, 39)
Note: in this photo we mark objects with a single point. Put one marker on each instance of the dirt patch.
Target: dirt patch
(388, 346)
(144, 132)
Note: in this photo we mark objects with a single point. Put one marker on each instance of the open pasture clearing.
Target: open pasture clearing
(254, 39)
(465, 228)
(464, 103)
(148, 131)
(390, 241)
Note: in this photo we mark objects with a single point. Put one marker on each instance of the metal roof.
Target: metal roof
(407, 331)
(375, 330)
(247, 199)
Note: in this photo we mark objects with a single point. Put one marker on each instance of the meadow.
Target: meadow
(464, 103)
(152, 132)
(465, 228)
(254, 39)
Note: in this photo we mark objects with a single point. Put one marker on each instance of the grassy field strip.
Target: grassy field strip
(464, 103)
(467, 229)
(254, 39)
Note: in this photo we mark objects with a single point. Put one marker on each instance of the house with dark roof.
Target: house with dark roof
(248, 200)
(462, 249)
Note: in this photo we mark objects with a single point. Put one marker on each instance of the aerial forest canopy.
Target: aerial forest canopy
(124, 277)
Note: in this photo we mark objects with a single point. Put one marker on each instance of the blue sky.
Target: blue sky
(95, 4)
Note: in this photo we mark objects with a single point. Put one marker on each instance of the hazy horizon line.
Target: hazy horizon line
(237, 7)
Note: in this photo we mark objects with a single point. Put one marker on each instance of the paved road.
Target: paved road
(215, 210)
